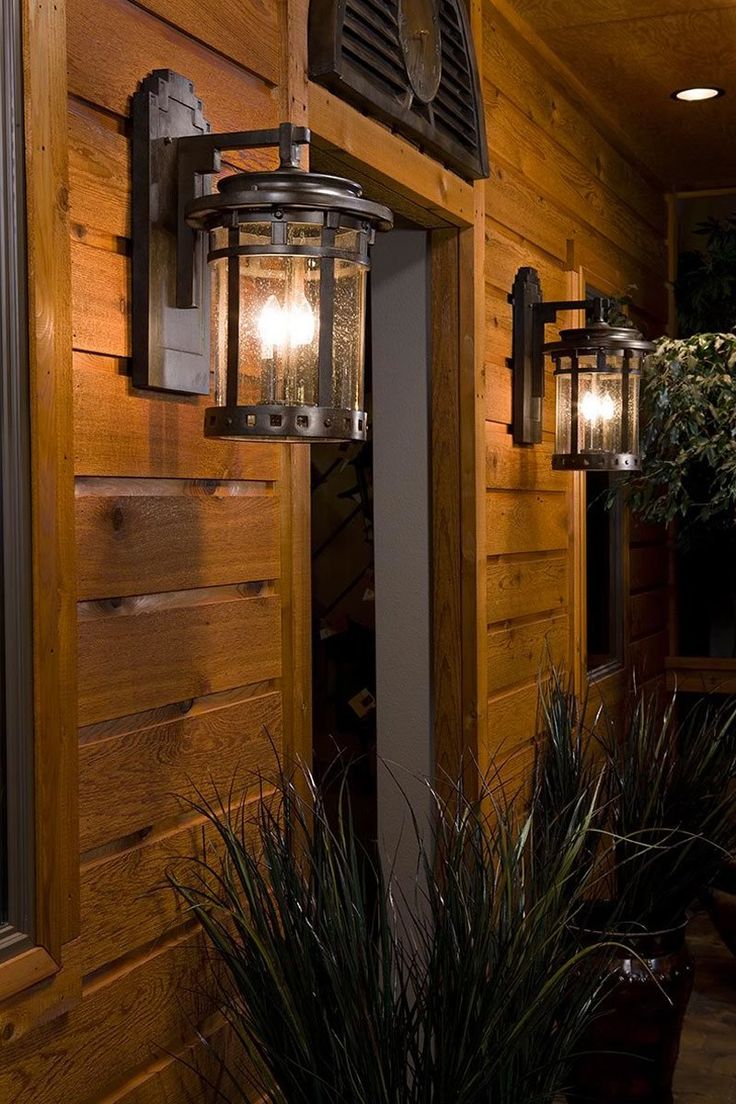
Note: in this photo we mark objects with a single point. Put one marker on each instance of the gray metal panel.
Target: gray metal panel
(403, 535)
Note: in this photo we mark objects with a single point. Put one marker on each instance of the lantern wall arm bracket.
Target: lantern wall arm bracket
(200, 155)
(174, 155)
(530, 316)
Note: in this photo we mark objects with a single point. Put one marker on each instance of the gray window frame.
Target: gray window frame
(16, 583)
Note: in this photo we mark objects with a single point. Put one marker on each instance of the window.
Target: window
(16, 655)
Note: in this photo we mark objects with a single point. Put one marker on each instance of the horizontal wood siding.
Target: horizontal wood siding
(179, 582)
(560, 197)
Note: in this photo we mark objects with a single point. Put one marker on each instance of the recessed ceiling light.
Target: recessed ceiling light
(691, 95)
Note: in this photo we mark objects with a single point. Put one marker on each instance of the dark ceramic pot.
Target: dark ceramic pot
(629, 1054)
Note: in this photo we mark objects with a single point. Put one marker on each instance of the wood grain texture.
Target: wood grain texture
(506, 251)
(564, 192)
(701, 676)
(100, 300)
(348, 135)
(520, 204)
(195, 644)
(518, 587)
(518, 653)
(548, 99)
(99, 172)
(163, 435)
(55, 798)
(296, 607)
(22, 1014)
(512, 727)
(25, 970)
(126, 898)
(173, 536)
(212, 744)
(526, 521)
(133, 43)
(150, 1007)
(571, 183)
(247, 31)
(139, 653)
(499, 382)
(510, 466)
(471, 434)
(568, 83)
(296, 505)
(173, 1079)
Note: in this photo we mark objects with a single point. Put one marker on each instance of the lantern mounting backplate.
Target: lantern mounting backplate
(531, 315)
(174, 155)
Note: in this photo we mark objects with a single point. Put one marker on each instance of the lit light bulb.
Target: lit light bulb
(278, 326)
(271, 326)
(300, 323)
(597, 408)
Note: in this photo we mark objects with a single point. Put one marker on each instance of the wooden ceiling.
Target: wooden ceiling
(632, 54)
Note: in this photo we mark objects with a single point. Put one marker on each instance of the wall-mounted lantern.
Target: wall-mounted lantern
(598, 372)
(289, 251)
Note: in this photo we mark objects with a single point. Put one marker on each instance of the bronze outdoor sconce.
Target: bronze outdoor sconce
(598, 372)
(289, 251)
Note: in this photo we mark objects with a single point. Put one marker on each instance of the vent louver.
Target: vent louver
(355, 50)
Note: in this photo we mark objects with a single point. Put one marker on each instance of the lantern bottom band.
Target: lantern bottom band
(596, 461)
(285, 423)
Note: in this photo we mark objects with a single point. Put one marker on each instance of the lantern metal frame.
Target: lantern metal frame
(598, 339)
(174, 211)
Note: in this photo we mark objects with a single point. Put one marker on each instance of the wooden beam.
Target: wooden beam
(701, 675)
(371, 150)
(54, 571)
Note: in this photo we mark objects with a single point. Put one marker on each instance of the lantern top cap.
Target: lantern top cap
(600, 335)
(290, 189)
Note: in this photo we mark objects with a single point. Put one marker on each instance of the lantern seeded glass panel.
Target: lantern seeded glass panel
(606, 422)
(348, 331)
(278, 323)
(289, 253)
(597, 415)
(278, 308)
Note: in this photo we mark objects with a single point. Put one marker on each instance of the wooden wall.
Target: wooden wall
(562, 196)
(192, 594)
(188, 555)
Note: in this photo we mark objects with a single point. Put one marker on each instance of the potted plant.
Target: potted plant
(337, 987)
(688, 416)
(669, 823)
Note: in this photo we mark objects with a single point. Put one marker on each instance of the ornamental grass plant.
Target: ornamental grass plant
(340, 986)
(666, 818)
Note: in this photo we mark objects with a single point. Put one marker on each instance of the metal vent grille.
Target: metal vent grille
(371, 43)
(355, 50)
(455, 107)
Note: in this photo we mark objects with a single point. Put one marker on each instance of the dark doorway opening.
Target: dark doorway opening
(344, 622)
